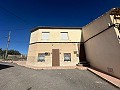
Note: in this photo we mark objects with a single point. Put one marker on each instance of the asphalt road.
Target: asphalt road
(14, 77)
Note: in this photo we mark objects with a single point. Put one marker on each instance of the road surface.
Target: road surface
(14, 77)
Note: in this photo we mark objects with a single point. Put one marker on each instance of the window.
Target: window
(41, 57)
(67, 56)
(64, 35)
(45, 35)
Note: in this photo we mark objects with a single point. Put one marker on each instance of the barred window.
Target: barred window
(41, 57)
(67, 56)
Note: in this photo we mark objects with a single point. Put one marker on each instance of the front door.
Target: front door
(55, 57)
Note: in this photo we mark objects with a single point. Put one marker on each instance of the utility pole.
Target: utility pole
(8, 42)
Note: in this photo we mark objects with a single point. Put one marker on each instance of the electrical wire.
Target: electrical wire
(8, 11)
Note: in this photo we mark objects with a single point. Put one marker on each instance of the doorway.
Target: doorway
(55, 57)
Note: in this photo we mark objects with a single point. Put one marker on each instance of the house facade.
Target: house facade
(54, 46)
(98, 43)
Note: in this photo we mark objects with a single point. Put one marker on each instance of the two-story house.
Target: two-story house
(54, 46)
(97, 42)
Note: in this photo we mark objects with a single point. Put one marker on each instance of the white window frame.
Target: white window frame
(41, 57)
(45, 36)
(64, 36)
(66, 58)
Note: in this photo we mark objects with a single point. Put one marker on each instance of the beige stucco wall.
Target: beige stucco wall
(74, 35)
(102, 51)
(54, 42)
(34, 49)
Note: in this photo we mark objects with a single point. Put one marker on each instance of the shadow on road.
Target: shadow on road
(2, 66)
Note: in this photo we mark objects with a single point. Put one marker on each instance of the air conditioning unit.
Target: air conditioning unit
(75, 52)
(47, 54)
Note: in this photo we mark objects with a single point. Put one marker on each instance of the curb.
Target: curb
(112, 83)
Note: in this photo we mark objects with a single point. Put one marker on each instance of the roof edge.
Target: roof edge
(51, 27)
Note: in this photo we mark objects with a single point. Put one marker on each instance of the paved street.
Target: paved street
(14, 77)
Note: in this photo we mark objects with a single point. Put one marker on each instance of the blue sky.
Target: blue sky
(20, 16)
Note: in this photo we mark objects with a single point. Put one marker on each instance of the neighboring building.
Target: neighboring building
(54, 46)
(102, 42)
(17, 57)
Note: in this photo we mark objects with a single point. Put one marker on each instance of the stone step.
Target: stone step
(86, 64)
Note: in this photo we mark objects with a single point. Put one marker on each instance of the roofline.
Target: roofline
(108, 12)
(51, 27)
(80, 28)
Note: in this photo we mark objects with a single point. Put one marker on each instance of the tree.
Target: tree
(13, 52)
(10, 52)
(1, 52)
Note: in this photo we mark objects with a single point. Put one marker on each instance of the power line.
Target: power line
(18, 29)
(3, 37)
(8, 11)
(15, 29)
(19, 41)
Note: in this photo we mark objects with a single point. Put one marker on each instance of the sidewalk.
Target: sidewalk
(108, 78)
(23, 63)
